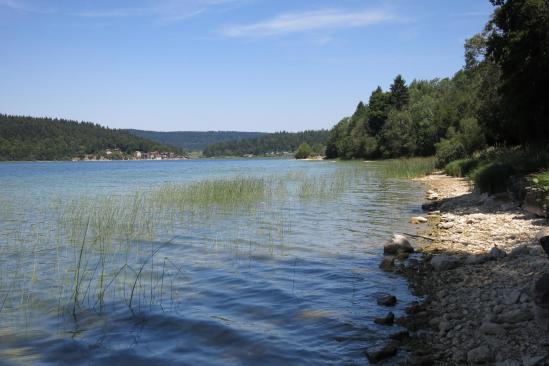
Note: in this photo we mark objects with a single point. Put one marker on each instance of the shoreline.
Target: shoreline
(477, 277)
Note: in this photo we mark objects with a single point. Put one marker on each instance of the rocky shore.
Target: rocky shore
(481, 275)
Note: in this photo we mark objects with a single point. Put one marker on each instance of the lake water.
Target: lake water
(117, 263)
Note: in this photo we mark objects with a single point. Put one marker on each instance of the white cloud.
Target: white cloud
(307, 21)
(168, 10)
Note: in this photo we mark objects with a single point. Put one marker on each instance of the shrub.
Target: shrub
(461, 168)
(449, 150)
(303, 151)
(492, 177)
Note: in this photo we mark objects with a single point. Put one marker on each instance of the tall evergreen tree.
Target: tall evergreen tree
(399, 93)
(378, 109)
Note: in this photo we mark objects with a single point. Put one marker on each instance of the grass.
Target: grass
(408, 168)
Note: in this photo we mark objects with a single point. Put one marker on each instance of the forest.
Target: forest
(194, 140)
(30, 138)
(499, 99)
(273, 143)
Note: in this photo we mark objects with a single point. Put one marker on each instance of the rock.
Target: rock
(497, 253)
(399, 336)
(389, 319)
(398, 243)
(543, 238)
(388, 263)
(478, 259)
(532, 203)
(491, 329)
(480, 354)
(444, 262)
(377, 355)
(403, 255)
(512, 297)
(431, 195)
(386, 300)
(444, 326)
(418, 220)
(446, 225)
(509, 363)
(515, 316)
(518, 251)
(541, 300)
(533, 361)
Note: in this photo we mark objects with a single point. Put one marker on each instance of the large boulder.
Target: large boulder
(541, 300)
(480, 354)
(389, 319)
(444, 262)
(386, 300)
(397, 244)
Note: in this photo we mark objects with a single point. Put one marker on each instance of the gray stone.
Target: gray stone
(518, 251)
(386, 300)
(444, 262)
(533, 361)
(418, 220)
(491, 328)
(512, 297)
(446, 225)
(387, 351)
(495, 252)
(398, 243)
(388, 263)
(480, 354)
(515, 316)
(509, 363)
(389, 319)
(478, 259)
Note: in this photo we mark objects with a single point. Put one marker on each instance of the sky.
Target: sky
(248, 65)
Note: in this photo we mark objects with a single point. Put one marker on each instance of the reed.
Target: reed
(407, 168)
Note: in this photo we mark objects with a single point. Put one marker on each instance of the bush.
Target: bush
(449, 150)
(303, 151)
(492, 177)
(461, 168)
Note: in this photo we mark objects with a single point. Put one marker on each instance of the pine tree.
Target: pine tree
(399, 93)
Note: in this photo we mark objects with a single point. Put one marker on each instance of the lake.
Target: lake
(201, 262)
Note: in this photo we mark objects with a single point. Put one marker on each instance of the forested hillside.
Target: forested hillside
(29, 138)
(278, 142)
(194, 140)
(500, 97)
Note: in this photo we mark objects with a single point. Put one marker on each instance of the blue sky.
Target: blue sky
(252, 65)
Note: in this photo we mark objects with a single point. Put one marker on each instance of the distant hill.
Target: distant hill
(30, 138)
(278, 142)
(194, 141)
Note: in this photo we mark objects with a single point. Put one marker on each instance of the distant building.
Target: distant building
(137, 154)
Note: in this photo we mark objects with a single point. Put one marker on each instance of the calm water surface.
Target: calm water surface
(291, 280)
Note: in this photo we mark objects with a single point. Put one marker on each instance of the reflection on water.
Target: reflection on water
(147, 263)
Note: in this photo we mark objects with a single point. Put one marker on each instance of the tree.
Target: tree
(399, 93)
(304, 151)
(397, 136)
(518, 41)
(378, 108)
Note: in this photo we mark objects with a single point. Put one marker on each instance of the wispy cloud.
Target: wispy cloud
(24, 7)
(308, 21)
(168, 10)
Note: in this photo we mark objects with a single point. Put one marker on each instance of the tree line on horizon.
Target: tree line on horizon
(272, 143)
(500, 97)
(31, 138)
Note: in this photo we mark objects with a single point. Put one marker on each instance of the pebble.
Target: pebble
(444, 262)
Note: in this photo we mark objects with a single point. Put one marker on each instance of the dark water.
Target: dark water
(291, 281)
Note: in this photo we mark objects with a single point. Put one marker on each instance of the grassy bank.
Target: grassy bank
(408, 168)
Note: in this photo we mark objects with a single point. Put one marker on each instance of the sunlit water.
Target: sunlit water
(291, 281)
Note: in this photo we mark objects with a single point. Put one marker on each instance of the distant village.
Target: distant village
(116, 154)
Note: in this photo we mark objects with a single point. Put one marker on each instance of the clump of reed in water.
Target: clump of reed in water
(408, 168)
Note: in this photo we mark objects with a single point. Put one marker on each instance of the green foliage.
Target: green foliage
(304, 151)
(399, 93)
(492, 177)
(278, 142)
(461, 168)
(194, 140)
(517, 41)
(29, 138)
